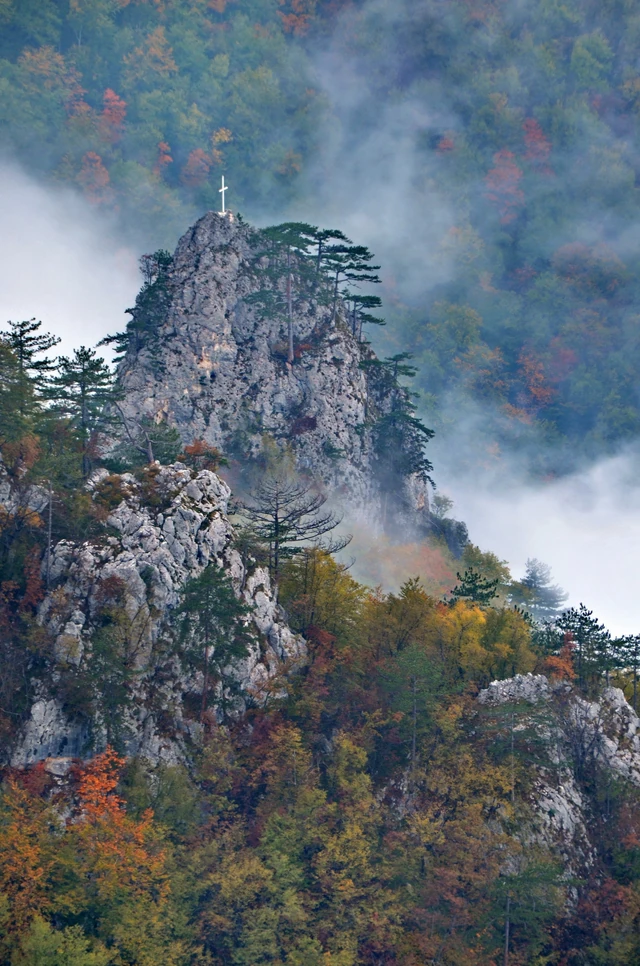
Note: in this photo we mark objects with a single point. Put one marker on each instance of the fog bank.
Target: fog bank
(62, 262)
(586, 526)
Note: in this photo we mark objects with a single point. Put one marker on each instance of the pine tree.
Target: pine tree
(81, 390)
(213, 631)
(349, 263)
(289, 244)
(592, 644)
(149, 312)
(399, 437)
(284, 512)
(536, 594)
(359, 317)
(627, 652)
(24, 373)
(474, 587)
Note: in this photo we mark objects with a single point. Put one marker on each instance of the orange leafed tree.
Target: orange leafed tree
(538, 146)
(537, 391)
(297, 17)
(24, 855)
(113, 116)
(561, 665)
(196, 170)
(154, 56)
(164, 158)
(503, 186)
(97, 787)
(94, 179)
(117, 860)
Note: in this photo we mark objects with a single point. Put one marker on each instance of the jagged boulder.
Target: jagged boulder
(155, 545)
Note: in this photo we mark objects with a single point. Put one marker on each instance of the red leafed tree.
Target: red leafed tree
(112, 118)
(298, 16)
(537, 392)
(94, 179)
(503, 186)
(538, 146)
(445, 144)
(562, 360)
(196, 170)
(164, 158)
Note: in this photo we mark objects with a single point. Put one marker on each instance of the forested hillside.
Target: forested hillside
(187, 780)
(523, 127)
(217, 746)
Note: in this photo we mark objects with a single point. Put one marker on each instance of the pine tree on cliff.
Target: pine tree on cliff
(287, 249)
(213, 632)
(30, 370)
(285, 512)
(80, 391)
(399, 435)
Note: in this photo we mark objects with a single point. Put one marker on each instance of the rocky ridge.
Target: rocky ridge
(153, 548)
(224, 375)
(579, 737)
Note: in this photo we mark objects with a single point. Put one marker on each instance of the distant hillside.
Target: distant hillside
(519, 123)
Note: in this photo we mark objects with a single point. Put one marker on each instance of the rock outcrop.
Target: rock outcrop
(222, 372)
(162, 532)
(575, 738)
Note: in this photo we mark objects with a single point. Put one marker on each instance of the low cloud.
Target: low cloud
(61, 262)
(586, 526)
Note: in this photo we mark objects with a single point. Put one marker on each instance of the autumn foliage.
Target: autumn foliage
(94, 179)
(502, 186)
(113, 117)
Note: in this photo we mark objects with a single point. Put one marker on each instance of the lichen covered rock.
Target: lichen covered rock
(156, 543)
(575, 738)
(222, 374)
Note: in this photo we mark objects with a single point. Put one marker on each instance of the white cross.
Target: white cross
(222, 191)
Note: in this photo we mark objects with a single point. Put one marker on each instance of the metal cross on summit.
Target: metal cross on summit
(222, 191)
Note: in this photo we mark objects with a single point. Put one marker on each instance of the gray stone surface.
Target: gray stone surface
(152, 553)
(577, 734)
(224, 375)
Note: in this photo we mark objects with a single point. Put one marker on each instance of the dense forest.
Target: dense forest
(522, 121)
(366, 807)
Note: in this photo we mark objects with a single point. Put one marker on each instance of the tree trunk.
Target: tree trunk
(205, 685)
(276, 547)
(335, 297)
(415, 718)
(290, 356)
(150, 457)
(507, 929)
(513, 769)
(49, 530)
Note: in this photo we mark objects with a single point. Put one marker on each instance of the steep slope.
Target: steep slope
(158, 533)
(205, 358)
(570, 747)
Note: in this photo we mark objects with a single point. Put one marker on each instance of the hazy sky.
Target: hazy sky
(61, 262)
(587, 526)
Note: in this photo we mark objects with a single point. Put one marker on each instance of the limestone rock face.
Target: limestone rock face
(155, 546)
(224, 375)
(578, 736)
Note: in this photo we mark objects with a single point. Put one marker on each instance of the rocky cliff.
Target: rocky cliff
(222, 372)
(157, 534)
(571, 747)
